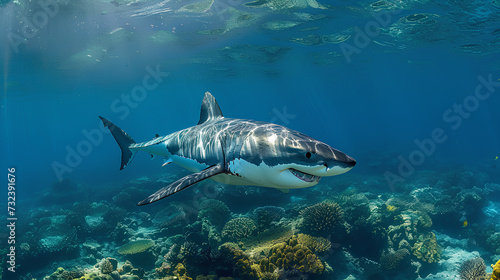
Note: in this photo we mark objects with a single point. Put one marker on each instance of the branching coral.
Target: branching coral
(324, 218)
(472, 269)
(393, 260)
(239, 228)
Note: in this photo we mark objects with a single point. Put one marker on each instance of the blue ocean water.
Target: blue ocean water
(410, 89)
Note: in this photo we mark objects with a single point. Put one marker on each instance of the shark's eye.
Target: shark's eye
(308, 155)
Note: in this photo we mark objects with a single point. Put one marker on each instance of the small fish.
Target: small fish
(496, 158)
(464, 219)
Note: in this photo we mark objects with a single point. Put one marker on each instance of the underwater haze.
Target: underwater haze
(408, 88)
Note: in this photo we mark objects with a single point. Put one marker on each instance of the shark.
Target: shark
(236, 152)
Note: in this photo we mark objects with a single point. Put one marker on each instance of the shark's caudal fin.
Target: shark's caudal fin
(123, 140)
(209, 109)
(183, 183)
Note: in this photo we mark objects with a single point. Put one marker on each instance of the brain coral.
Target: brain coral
(239, 228)
(135, 247)
(472, 269)
(323, 218)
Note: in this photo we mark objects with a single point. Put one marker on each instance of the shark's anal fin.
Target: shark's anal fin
(284, 190)
(183, 183)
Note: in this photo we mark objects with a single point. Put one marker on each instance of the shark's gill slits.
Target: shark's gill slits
(304, 176)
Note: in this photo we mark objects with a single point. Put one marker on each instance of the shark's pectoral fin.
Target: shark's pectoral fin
(183, 183)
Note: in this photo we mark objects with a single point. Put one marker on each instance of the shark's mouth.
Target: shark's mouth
(304, 176)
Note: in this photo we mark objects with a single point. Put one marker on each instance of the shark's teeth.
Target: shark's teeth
(304, 176)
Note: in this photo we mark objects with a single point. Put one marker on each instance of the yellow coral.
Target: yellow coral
(496, 271)
(180, 269)
(426, 248)
(316, 244)
(391, 208)
(292, 255)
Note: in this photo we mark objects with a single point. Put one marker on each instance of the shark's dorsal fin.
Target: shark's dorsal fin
(209, 109)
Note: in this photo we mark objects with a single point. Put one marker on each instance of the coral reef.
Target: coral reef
(135, 247)
(239, 228)
(316, 244)
(292, 255)
(426, 248)
(214, 211)
(496, 271)
(61, 274)
(493, 242)
(324, 219)
(108, 265)
(472, 269)
(235, 260)
(394, 259)
(266, 215)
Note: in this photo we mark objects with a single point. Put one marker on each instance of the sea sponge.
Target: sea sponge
(323, 218)
(496, 271)
(426, 248)
(393, 259)
(239, 228)
(472, 269)
(135, 247)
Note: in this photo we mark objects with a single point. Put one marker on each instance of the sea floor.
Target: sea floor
(431, 226)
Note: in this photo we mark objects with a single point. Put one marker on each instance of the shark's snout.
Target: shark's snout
(350, 161)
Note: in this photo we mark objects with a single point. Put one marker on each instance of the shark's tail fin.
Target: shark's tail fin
(123, 140)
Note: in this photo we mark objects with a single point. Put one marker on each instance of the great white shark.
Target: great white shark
(237, 152)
